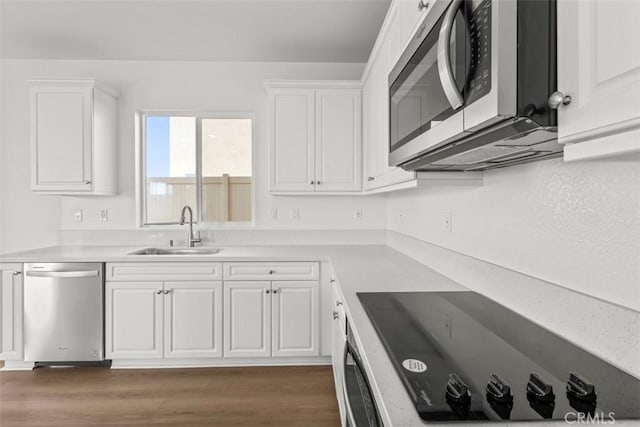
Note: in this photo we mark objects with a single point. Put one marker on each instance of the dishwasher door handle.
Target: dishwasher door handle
(63, 274)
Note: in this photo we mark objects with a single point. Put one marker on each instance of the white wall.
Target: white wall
(576, 225)
(32, 220)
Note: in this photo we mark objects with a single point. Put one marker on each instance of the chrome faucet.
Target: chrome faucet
(192, 239)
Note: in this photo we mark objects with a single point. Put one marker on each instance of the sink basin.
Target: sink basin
(176, 251)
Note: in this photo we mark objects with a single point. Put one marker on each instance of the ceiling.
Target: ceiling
(186, 30)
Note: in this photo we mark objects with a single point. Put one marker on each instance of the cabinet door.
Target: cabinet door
(247, 319)
(292, 136)
(376, 114)
(599, 67)
(338, 342)
(338, 140)
(61, 138)
(409, 16)
(133, 320)
(295, 321)
(193, 319)
(398, 35)
(11, 344)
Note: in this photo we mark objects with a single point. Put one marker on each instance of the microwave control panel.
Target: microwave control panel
(479, 81)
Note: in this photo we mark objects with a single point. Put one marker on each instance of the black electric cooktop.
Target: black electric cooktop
(462, 357)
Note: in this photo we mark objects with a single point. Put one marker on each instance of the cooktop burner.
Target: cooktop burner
(462, 356)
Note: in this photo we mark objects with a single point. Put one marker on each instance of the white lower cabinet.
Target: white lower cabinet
(247, 319)
(193, 319)
(295, 321)
(261, 310)
(11, 312)
(265, 319)
(338, 343)
(151, 320)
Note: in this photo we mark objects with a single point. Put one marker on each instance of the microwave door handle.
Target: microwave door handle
(444, 64)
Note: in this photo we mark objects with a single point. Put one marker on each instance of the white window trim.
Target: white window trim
(140, 159)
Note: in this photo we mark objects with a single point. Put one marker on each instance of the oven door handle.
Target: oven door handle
(444, 63)
(350, 417)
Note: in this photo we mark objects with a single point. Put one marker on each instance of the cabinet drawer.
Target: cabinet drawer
(138, 271)
(271, 271)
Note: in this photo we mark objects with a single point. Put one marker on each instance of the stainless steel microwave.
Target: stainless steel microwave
(471, 91)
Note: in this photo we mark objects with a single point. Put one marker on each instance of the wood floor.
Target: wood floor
(253, 396)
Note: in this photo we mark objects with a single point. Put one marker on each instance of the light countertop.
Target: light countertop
(362, 268)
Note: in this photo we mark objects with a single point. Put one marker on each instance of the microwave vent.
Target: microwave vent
(481, 155)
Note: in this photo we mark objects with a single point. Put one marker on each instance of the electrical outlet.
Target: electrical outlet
(77, 215)
(357, 213)
(446, 221)
(103, 215)
(274, 214)
(295, 214)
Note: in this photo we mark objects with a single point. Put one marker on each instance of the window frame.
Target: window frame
(141, 166)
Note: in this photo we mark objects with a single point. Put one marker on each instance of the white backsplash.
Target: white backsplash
(222, 237)
(608, 330)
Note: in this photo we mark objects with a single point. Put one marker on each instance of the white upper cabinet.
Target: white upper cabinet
(410, 13)
(599, 68)
(292, 136)
(73, 137)
(315, 137)
(377, 172)
(375, 147)
(338, 139)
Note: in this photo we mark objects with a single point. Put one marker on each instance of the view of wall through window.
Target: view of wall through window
(204, 162)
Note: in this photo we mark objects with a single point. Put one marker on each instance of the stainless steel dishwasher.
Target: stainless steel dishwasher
(63, 312)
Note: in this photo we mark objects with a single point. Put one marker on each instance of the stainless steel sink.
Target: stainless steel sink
(176, 251)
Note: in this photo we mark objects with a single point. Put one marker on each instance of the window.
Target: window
(204, 161)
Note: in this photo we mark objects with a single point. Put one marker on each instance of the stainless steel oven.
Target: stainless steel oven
(470, 91)
(360, 404)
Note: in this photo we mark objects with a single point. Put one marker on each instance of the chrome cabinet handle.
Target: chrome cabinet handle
(275, 291)
(371, 178)
(165, 292)
(16, 273)
(422, 5)
(444, 64)
(313, 182)
(272, 271)
(558, 99)
(338, 303)
(335, 315)
(159, 292)
(267, 291)
(86, 181)
(332, 280)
